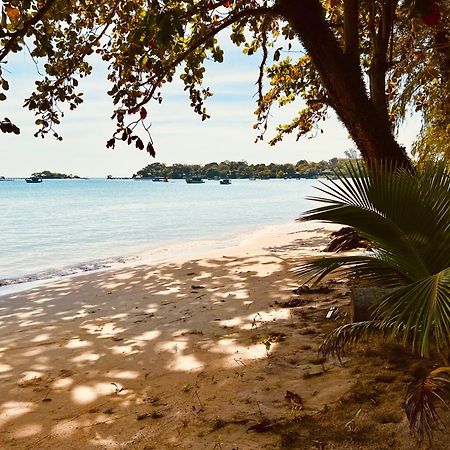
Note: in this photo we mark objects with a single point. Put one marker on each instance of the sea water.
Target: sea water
(60, 226)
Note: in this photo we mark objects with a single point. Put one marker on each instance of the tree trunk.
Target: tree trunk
(344, 83)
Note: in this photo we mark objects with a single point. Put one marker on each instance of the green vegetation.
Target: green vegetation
(47, 175)
(241, 169)
(406, 217)
(372, 62)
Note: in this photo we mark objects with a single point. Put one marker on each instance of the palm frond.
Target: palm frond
(340, 340)
(421, 404)
(406, 215)
(422, 310)
(377, 268)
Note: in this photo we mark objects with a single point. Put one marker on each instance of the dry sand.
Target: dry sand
(185, 355)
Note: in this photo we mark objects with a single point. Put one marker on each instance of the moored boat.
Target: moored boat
(160, 179)
(33, 180)
(225, 181)
(194, 180)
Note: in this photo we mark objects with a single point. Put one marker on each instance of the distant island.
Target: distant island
(241, 169)
(47, 175)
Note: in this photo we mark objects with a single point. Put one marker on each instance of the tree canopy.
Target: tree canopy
(371, 61)
(241, 169)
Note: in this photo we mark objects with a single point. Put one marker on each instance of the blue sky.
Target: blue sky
(179, 134)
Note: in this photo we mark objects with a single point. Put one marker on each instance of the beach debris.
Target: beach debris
(261, 427)
(317, 361)
(152, 415)
(195, 331)
(267, 344)
(304, 289)
(292, 303)
(118, 389)
(255, 321)
(200, 402)
(295, 399)
(65, 373)
(47, 398)
(346, 239)
(271, 339)
(385, 378)
(351, 424)
(240, 362)
(276, 337)
(218, 424)
(307, 331)
(315, 372)
(332, 312)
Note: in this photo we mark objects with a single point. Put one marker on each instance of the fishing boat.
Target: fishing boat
(33, 180)
(160, 179)
(225, 181)
(194, 180)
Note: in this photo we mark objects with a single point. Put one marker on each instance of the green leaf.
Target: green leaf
(406, 216)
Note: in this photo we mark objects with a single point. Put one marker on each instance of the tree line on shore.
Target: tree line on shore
(47, 175)
(241, 169)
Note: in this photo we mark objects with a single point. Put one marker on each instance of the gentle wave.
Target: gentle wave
(67, 227)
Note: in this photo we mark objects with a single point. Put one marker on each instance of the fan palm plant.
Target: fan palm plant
(406, 216)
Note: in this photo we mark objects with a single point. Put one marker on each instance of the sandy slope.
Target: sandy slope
(169, 356)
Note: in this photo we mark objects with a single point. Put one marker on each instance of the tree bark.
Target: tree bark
(377, 72)
(351, 25)
(344, 83)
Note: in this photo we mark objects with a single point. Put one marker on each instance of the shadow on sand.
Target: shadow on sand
(183, 355)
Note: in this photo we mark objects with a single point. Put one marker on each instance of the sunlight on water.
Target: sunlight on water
(62, 223)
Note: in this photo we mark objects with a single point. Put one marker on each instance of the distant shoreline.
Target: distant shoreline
(225, 169)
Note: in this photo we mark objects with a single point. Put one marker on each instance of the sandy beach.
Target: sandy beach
(188, 354)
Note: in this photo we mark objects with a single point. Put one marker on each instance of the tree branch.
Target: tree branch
(379, 63)
(351, 23)
(343, 83)
(202, 40)
(261, 67)
(20, 33)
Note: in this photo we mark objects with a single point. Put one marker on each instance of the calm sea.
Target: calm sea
(60, 225)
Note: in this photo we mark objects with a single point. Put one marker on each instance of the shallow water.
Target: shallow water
(57, 225)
